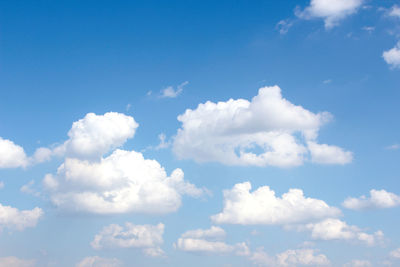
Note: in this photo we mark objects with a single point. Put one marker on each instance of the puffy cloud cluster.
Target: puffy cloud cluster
(358, 263)
(395, 253)
(12, 155)
(12, 218)
(262, 207)
(335, 229)
(146, 237)
(392, 56)
(395, 11)
(16, 262)
(122, 182)
(298, 257)
(378, 199)
(332, 12)
(97, 261)
(210, 241)
(234, 132)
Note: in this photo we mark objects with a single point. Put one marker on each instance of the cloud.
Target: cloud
(262, 207)
(12, 155)
(332, 12)
(298, 257)
(394, 11)
(96, 261)
(209, 241)
(395, 253)
(283, 26)
(122, 182)
(378, 199)
(28, 189)
(268, 130)
(1, 184)
(15, 219)
(145, 237)
(393, 147)
(163, 144)
(170, 92)
(335, 229)
(392, 56)
(326, 154)
(16, 262)
(358, 263)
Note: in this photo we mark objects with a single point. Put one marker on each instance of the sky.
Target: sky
(199, 133)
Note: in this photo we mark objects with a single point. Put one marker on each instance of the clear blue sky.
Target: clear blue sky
(149, 62)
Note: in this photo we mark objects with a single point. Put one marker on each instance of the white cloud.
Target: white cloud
(209, 241)
(326, 154)
(393, 147)
(378, 199)
(335, 229)
(96, 261)
(28, 189)
(12, 155)
(283, 26)
(332, 12)
(358, 263)
(394, 11)
(231, 132)
(13, 218)
(1, 184)
(170, 92)
(392, 56)
(145, 237)
(262, 207)
(16, 262)
(122, 182)
(302, 257)
(163, 143)
(395, 253)
(95, 135)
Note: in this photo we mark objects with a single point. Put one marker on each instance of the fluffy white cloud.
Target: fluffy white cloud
(326, 154)
(170, 92)
(209, 240)
(395, 253)
(392, 56)
(358, 263)
(378, 199)
(395, 11)
(262, 207)
(16, 262)
(95, 135)
(12, 155)
(146, 237)
(332, 12)
(289, 258)
(268, 130)
(122, 182)
(13, 218)
(335, 229)
(97, 261)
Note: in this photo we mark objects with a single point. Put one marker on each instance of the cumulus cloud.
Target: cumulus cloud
(358, 263)
(209, 241)
(170, 92)
(122, 182)
(262, 207)
(395, 253)
(392, 56)
(298, 257)
(394, 11)
(97, 261)
(335, 229)
(332, 12)
(12, 155)
(16, 262)
(14, 219)
(326, 154)
(378, 199)
(145, 237)
(268, 130)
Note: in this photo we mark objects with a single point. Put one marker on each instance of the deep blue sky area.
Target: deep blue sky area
(227, 91)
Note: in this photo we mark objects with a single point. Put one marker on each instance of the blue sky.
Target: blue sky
(131, 133)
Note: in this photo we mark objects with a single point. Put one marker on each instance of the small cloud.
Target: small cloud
(393, 147)
(368, 29)
(128, 107)
(163, 144)
(171, 92)
(149, 93)
(327, 81)
(392, 56)
(283, 26)
(28, 189)
(394, 11)
(1, 184)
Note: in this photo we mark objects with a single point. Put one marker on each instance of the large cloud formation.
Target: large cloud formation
(262, 207)
(122, 182)
(146, 237)
(332, 12)
(232, 132)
